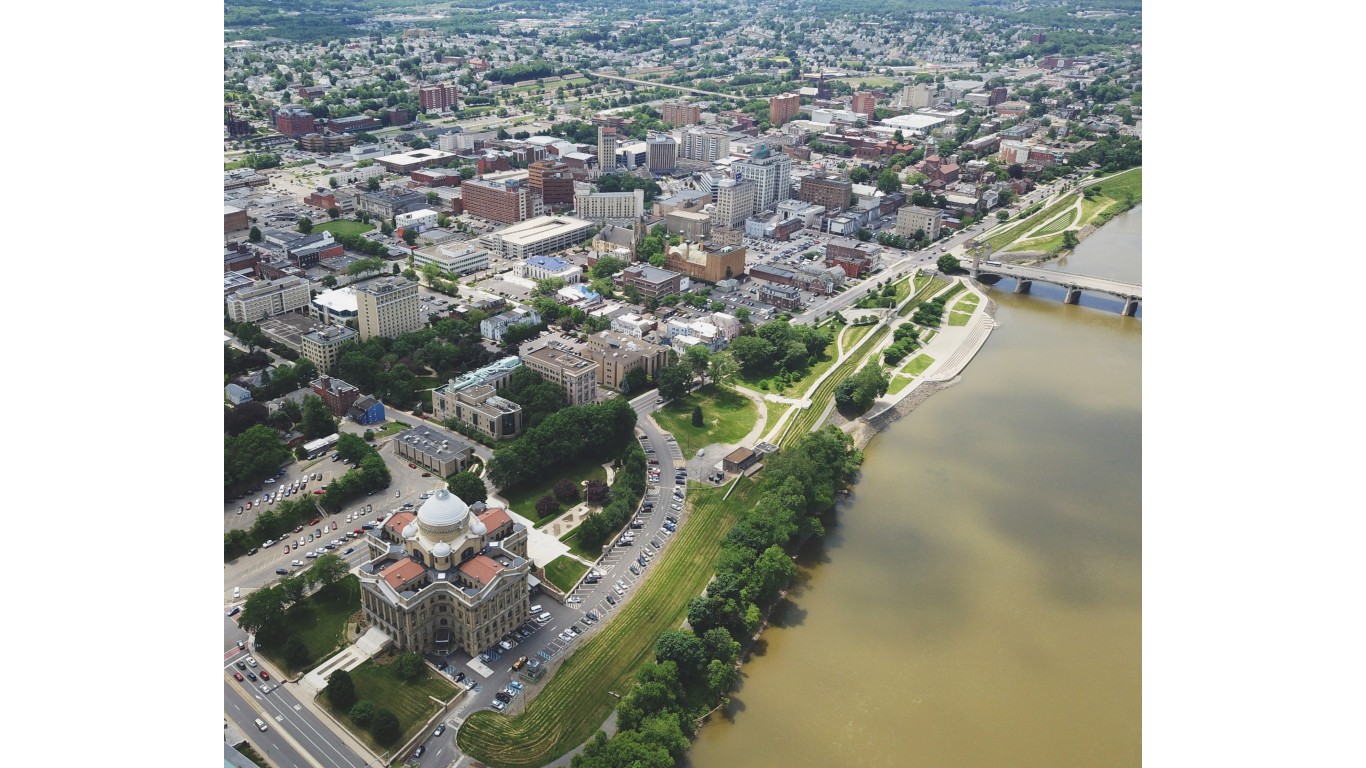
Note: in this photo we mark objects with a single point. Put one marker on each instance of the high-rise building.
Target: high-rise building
(734, 202)
(552, 180)
(561, 364)
(771, 172)
(273, 297)
(913, 218)
(661, 153)
(832, 193)
(783, 108)
(704, 146)
(607, 148)
(998, 96)
(438, 96)
(387, 307)
(864, 104)
(677, 113)
(505, 201)
(320, 347)
(610, 206)
(917, 96)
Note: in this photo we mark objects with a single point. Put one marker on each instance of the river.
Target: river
(978, 599)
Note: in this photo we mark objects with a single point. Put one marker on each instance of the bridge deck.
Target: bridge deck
(1084, 282)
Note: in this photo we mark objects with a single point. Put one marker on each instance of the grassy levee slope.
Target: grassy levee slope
(806, 420)
(574, 704)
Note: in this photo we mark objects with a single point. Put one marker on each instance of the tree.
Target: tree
(384, 727)
(698, 360)
(408, 666)
(372, 184)
(292, 588)
(317, 418)
(684, 649)
(1069, 239)
(362, 713)
(305, 225)
(294, 652)
(261, 609)
(697, 420)
(254, 235)
(742, 314)
(566, 492)
(468, 486)
(860, 175)
(328, 569)
(332, 182)
(547, 506)
(888, 182)
(1003, 215)
(723, 367)
(596, 492)
(672, 381)
(341, 690)
(947, 263)
(1015, 171)
(606, 267)
(334, 213)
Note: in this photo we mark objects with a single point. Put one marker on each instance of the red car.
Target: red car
(237, 675)
(319, 492)
(426, 474)
(412, 466)
(314, 521)
(265, 675)
(334, 526)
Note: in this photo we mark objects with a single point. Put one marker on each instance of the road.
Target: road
(295, 731)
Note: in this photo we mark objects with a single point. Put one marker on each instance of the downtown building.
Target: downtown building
(450, 578)
(833, 193)
(783, 108)
(272, 297)
(772, 173)
(678, 114)
(560, 363)
(437, 97)
(704, 146)
(387, 307)
(616, 207)
(507, 202)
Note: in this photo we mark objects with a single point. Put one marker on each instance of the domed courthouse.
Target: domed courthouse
(449, 578)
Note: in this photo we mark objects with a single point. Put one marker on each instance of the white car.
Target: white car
(236, 592)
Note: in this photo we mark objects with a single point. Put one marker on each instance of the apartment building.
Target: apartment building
(676, 113)
(610, 206)
(561, 363)
(338, 394)
(831, 192)
(387, 307)
(480, 407)
(265, 299)
(320, 347)
(704, 146)
(735, 202)
(504, 201)
(661, 153)
(651, 282)
(783, 108)
(617, 355)
(438, 96)
(913, 217)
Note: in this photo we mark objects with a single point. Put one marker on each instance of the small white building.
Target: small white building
(543, 267)
(419, 220)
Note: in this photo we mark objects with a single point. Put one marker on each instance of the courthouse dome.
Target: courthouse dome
(444, 512)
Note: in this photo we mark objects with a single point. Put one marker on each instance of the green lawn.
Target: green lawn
(390, 428)
(579, 697)
(1037, 244)
(934, 286)
(728, 416)
(775, 414)
(564, 572)
(409, 701)
(967, 304)
(1127, 181)
(1000, 241)
(572, 539)
(523, 499)
(1059, 224)
(917, 365)
(234, 165)
(855, 333)
(898, 383)
(806, 420)
(959, 318)
(903, 289)
(343, 227)
(319, 621)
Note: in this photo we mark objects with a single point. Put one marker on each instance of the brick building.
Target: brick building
(783, 108)
(679, 114)
(293, 121)
(504, 201)
(338, 395)
(831, 192)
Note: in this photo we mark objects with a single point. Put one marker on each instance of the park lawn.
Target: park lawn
(959, 318)
(1059, 224)
(319, 621)
(1045, 244)
(917, 365)
(805, 421)
(898, 383)
(903, 289)
(1092, 208)
(390, 428)
(727, 415)
(572, 539)
(934, 286)
(872, 82)
(523, 500)
(234, 165)
(1000, 241)
(922, 279)
(775, 414)
(565, 572)
(967, 304)
(580, 695)
(1125, 181)
(344, 227)
(409, 701)
(855, 333)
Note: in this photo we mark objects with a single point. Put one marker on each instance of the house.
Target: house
(237, 395)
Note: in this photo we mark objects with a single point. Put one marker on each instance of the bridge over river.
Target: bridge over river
(1024, 277)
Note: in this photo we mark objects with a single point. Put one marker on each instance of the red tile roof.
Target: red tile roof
(494, 518)
(482, 569)
(403, 572)
(398, 522)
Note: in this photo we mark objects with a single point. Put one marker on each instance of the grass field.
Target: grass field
(572, 539)
(409, 701)
(523, 500)
(854, 334)
(319, 621)
(898, 383)
(903, 289)
(935, 285)
(564, 572)
(1037, 244)
(775, 414)
(1059, 224)
(728, 416)
(959, 318)
(579, 697)
(806, 420)
(1126, 181)
(917, 365)
(871, 81)
(343, 227)
(1003, 239)
(390, 428)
